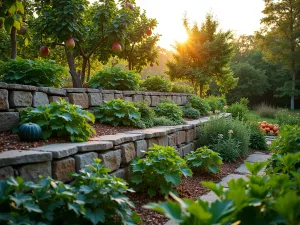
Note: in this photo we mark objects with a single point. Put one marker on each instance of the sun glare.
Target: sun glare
(181, 36)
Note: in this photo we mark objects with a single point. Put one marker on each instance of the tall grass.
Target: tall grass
(266, 110)
(286, 117)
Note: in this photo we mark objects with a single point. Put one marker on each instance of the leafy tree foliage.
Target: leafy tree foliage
(205, 55)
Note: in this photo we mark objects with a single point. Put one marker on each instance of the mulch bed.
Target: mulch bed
(10, 141)
(190, 187)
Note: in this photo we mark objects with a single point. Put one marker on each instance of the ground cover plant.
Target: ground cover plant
(170, 110)
(61, 119)
(159, 171)
(115, 78)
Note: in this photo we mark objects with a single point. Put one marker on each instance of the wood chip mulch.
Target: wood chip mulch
(10, 141)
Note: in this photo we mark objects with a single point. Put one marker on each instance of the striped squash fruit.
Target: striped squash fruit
(30, 132)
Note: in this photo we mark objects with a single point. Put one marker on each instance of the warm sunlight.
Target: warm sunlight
(180, 36)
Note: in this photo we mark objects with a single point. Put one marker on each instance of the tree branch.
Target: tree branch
(96, 46)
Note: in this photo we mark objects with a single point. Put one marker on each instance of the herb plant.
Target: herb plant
(204, 160)
(61, 119)
(228, 148)
(159, 171)
(163, 121)
(238, 111)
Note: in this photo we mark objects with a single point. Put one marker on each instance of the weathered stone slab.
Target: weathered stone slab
(188, 148)
(32, 172)
(209, 197)
(62, 168)
(163, 140)
(56, 91)
(8, 120)
(128, 93)
(16, 157)
(59, 151)
(75, 90)
(172, 139)
(83, 160)
(94, 146)
(111, 159)
(120, 96)
(138, 98)
(119, 138)
(168, 129)
(81, 99)
(194, 123)
(147, 98)
(4, 105)
(204, 119)
(128, 152)
(181, 137)
(226, 179)
(107, 91)
(20, 98)
(184, 100)
(6, 172)
(123, 173)
(57, 98)
(189, 136)
(243, 169)
(171, 222)
(95, 99)
(92, 90)
(155, 100)
(151, 132)
(141, 148)
(3, 85)
(21, 87)
(40, 98)
(258, 158)
(107, 97)
(151, 142)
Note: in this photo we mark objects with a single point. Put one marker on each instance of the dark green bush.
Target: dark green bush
(119, 112)
(257, 138)
(238, 111)
(169, 110)
(34, 72)
(216, 102)
(288, 141)
(61, 119)
(228, 148)
(244, 101)
(159, 171)
(115, 78)
(156, 83)
(94, 198)
(235, 130)
(204, 160)
(147, 113)
(182, 88)
(190, 112)
(200, 104)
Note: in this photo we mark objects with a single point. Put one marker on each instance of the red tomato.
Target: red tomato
(275, 129)
(267, 129)
(271, 126)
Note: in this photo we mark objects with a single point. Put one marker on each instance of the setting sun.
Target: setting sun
(180, 36)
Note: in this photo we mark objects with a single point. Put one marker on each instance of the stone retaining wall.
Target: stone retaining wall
(115, 151)
(15, 97)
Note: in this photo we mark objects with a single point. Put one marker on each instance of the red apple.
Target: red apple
(70, 43)
(22, 30)
(44, 51)
(116, 47)
(149, 32)
(129, 5)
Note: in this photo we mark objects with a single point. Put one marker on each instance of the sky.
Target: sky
(240, 16)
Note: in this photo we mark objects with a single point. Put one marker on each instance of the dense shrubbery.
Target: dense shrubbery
(159, 171)
(119, 112)
(200, 104)
(169, 110)
(238, 111)
(257, 138)
(156, 83)
(115, 78)
(34, 72)
(216, 103)
(265, 110)
(204, 160)
(94, 198)
(147, 113)
(230, 133)
(285, 117)
(182, 88)
(190, 112)
(60, 119)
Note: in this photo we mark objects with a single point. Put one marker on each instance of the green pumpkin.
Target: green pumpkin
(30, 132)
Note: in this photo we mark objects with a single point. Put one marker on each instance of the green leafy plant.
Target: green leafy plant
(61, 119)
(156, 83)
(170, 110)
(238, 111)
(244, 101)
(200, 104)
(288, 141)
(182, 88)
(159, 171)
(190, 112)
(147, 113)
(286, 117)
(257, 138)
(115, 78)
(118, 112)
(210, 131)
(94, 198)
(215, 102)
(204, 159)
(34, 72)
(163, 121)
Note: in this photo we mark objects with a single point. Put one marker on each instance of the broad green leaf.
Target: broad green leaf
(170, 209)
(173, 178)
(151, 192)
(213, 169)
(136, 179)
(32, 207)
(95, 216)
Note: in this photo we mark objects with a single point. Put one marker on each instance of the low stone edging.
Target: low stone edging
(115, 151)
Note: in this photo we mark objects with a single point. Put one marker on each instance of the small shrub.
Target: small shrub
(147, 113)
(257, 138)
(190, 112)
(204, 159)
(182, 88)
(115, 78)
(244, 101)
(119, 112)
(238, 111)
(34, 72)
(216, 103)
(159, 171)
(200, 104)
(170, 110)
(288, 141)
(61, 119)
(240, 134)
(265, 110)
(285, 117)
(164, 121)
(2, 68)
(156, 83)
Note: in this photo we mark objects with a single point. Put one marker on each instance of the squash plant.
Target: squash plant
(61, 119)
(159, 171)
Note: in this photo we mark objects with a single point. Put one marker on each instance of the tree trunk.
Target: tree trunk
(89, 71)
(13, 41)
(293, 89)
(129, 65)
(75, 76)
(201, 90)
(84, 64)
